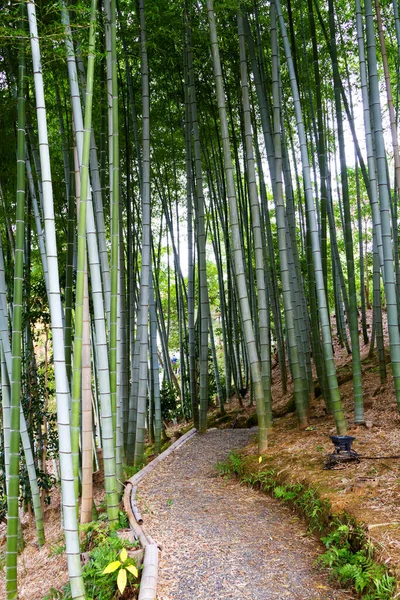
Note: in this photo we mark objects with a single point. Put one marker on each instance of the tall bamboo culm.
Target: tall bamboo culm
(56, 315)
(237, 251)
(13, 471)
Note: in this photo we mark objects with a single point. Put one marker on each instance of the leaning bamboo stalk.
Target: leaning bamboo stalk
(384, 200)
(262, 296)
(5, 405)
(100, 225)
(39, 230)
(103, 373)
(389, 96)
(145, 274)
(97, 196)
(87, 418)
(359, 416)
(81, 273)
(337, 409)
(62, 389)
(6, 390)
(282, 226)
(191, 256)
(200, 236)
(155, 371)
(16, 369)
(114, 207)
(373, 196)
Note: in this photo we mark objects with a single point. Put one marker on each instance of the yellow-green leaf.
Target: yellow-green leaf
(260, 459)
(113, 566)
(123, 555)
(121, 580)
(132, 569)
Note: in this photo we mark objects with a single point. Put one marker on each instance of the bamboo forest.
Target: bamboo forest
(199, 244)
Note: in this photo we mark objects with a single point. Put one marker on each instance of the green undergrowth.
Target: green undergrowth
(131, 470)
(349, 553)
(103, 546)
(186, 427)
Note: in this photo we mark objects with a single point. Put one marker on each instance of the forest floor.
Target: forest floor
(369, 490)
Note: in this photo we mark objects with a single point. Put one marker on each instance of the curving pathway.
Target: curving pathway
(223, 541)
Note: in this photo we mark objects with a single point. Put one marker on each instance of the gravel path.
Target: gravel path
(221, 540)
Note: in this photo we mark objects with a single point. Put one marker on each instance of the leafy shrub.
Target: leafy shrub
(130, 470)
(232, 466)
(170, 408)
(356, 568)
(107, 550)
(315, 509)
(123, 520)
(97, 585)
(93, 533)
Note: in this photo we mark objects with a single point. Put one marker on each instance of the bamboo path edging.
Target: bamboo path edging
(148, 584)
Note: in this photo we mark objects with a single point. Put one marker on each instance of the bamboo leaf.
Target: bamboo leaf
(132, 569)
(113, 566)
(121, 580)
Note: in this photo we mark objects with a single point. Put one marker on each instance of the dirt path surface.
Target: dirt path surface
(223, 541)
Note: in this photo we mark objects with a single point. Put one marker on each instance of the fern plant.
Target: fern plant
(284, 492)
(315, 509)
(233, 465)
(356, 568)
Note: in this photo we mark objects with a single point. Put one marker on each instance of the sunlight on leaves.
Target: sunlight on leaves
(121, 580)
(112, 567)
(132, 569)
(123, 555)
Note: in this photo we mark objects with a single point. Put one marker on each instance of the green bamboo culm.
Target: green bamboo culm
(201, 238)
(145, 274)
(348, 236)
(262, 295)
(337, 409)
(301, 399)
(81, 259)
(60, 371)
(114, 222)
(13, 480)
(384, 202)
(237, 249)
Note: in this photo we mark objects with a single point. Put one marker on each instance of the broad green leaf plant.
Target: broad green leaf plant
(122, 578)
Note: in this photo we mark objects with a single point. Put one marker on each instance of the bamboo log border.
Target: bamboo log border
(148, 584)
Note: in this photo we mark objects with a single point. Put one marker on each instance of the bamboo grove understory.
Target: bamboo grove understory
(188, 192)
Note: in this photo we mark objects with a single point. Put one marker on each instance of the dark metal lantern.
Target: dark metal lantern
(343, 452)
(342, 443)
